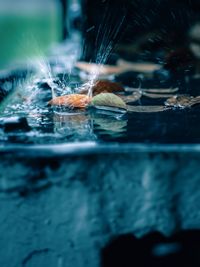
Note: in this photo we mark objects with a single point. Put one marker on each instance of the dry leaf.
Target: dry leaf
(98, 69)
(147, 109)
(102, 86)
(144, 67)
(108, 101)
(151, 95)
(71, 101)
(135, 96)
(122, 66)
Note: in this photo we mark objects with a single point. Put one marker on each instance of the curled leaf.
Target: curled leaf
(108, 101)
(71, 101)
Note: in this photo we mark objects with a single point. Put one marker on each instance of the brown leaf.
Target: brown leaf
(102, 86)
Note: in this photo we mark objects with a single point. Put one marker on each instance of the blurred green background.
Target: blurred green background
(28, 28)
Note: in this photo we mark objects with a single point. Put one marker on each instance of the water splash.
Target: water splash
(106, 39)
(44, 70)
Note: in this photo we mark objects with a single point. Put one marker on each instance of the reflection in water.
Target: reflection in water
(83, 127)
(77, 127)
(115, 126)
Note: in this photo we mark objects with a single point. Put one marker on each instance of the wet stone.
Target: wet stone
(5, 88)
(9, 79)
(13, 124)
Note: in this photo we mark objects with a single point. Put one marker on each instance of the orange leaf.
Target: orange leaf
(71, 101)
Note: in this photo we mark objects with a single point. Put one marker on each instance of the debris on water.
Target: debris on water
(182, 101)
(71, 101)
(178, 101)
(109, 101)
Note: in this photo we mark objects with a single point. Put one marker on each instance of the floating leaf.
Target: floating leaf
(109, 101)
(153, 95)
(179, 101)
(161, 90)
(71, 101)
(195, 100)
(153, 90)
(182, 101)
(147, 109)
(135, 96)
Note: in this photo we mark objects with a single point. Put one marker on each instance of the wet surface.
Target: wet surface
(65, 206)
(26, 119)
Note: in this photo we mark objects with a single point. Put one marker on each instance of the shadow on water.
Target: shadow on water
(154, 249)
